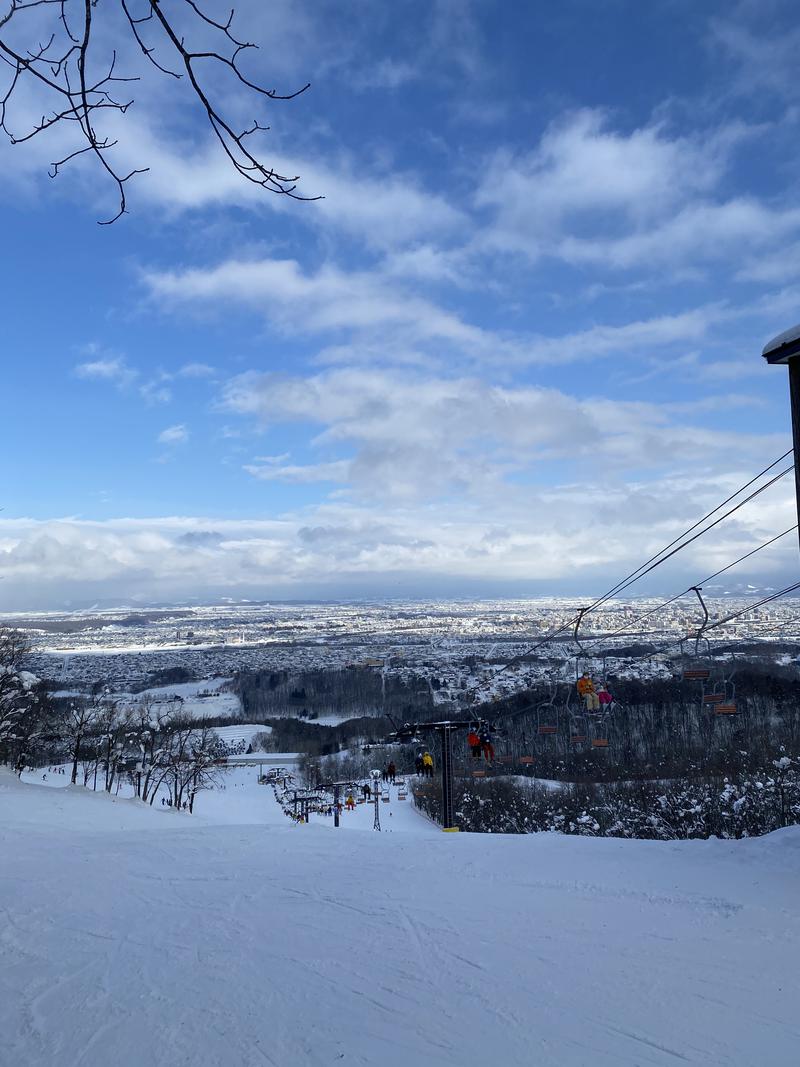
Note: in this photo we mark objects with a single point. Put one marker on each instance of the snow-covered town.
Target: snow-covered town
(454, 643)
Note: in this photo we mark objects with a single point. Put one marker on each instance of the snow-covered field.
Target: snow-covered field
(241, 734)
(135, 935)
(199, 700)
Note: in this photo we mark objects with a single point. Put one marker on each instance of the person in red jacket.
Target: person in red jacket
(474, 743)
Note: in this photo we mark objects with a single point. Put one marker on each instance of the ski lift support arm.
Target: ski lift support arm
(576, 636)
(697, 589)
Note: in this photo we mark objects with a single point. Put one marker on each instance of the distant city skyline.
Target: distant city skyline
(513, 351)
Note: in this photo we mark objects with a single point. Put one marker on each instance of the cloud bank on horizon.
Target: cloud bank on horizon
(515, 348)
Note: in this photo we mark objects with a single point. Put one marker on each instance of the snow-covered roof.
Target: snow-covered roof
(782, 347)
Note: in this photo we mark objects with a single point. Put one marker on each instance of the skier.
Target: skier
(385, 773)
(427, 765)
(419, 764)
(486, 744)
(474, 742)
(585, 687)
(604, 697)
(392, 771)
(350, 803)
(365, 789)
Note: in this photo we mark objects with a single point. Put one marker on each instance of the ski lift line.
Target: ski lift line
(728, 618)
(655, 561)
(700, 584)
(624, 581)
(753, 607)
(794, 620)
(720, 622)
(705, 530)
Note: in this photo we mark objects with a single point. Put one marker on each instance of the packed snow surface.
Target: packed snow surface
(134, 935)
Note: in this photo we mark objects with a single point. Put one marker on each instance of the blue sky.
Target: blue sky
(514, 349)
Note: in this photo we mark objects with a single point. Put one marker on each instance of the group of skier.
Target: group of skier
(479, 740)
(423, 764)
(595, 696)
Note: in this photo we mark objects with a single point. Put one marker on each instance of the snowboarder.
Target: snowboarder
(474, 742)
(585, 687)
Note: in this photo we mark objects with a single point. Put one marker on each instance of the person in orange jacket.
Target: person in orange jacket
(586, 690)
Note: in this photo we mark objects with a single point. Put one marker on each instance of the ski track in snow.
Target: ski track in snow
(133, 935)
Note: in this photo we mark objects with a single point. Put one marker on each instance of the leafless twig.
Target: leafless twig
(61, 67)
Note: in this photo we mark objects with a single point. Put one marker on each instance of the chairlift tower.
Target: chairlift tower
(785, 349)
(444, 730)
(376, 791)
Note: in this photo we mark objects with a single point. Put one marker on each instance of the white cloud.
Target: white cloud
(542, 535)
(420, 438)
(111, 369)
(385, 323)
(382, 208)
(386, 74)
(582, 166)
(336, 471)
(699, 233)
(330, 299)
(195, 370)
(174, 435)
(592, 194)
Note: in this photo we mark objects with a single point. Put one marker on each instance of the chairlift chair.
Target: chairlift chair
(698, 674)
(725, 709)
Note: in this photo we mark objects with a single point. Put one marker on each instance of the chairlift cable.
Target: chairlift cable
(671, 549)
(635, 575)
(729, 618)
(656, 560)
(701, 583)
(514, 712)
(705, 530)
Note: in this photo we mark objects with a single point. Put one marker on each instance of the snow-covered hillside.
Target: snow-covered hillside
(139, 935)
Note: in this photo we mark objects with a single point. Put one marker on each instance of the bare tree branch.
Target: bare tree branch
(59, 66)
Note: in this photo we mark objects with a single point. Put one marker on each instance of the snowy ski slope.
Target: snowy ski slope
(135, 935)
